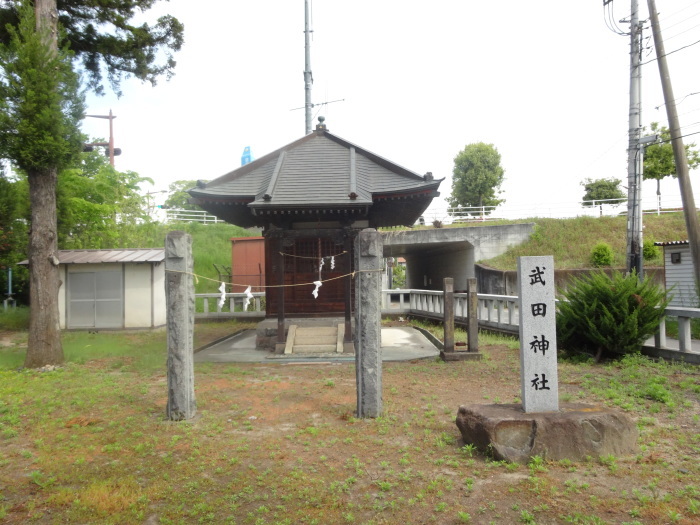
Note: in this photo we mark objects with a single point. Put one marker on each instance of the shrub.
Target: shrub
(600, 313)
(602, 255)
(649, 251)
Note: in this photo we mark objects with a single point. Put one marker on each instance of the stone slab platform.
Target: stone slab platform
(460, 355)
(575, 432)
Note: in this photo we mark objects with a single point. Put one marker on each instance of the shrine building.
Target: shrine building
(311, 198)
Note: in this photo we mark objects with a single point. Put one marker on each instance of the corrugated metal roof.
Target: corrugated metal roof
(134, 255)
(671, 243)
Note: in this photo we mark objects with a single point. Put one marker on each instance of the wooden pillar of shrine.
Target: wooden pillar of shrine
(280, 294)
(347, 246)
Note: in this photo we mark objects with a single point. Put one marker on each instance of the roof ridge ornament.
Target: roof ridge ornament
(321, 126)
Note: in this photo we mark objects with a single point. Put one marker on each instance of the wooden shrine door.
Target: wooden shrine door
(302, 266)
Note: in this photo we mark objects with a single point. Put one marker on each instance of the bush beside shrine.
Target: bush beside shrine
(615, 314)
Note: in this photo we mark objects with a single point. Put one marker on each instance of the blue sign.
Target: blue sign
(247, 157)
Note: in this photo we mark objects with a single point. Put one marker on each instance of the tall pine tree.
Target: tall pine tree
(41, 108)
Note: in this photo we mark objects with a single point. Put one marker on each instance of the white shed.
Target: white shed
(112, 289)
(679, 276)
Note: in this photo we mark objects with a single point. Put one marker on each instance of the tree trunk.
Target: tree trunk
(44, 345)
(46, 14)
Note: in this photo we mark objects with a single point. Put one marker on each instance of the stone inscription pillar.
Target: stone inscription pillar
(179, 294)
(538, 338)
(368, 349)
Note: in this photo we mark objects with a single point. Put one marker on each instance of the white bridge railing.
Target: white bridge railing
(684, 316)
(177, 215)
(500, 312)
(496, 312)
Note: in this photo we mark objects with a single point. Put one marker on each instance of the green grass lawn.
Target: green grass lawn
(276, 444)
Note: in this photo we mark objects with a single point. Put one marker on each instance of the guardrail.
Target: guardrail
(495, 312)
(178, 215)
(231, 308)
(684, 316)
(500, 313)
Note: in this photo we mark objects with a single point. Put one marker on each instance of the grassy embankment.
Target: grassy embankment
(571, 241)
(211, 243)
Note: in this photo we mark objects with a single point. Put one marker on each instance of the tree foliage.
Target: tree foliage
(40, 101)
(477, 176)
(600, 313)
(178, 197)
(40, 108)
(98, 205)
(13, 235)
(658, 158)
(601, 190)
(103, 37)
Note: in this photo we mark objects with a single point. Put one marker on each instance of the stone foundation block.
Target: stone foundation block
(460, 356)
(574, 432)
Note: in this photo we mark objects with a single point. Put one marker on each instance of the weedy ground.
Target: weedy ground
(279, 444)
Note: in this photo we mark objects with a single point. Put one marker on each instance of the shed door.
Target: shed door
(95, 300)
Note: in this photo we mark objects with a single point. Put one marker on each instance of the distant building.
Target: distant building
(111, 289)
(679, 275)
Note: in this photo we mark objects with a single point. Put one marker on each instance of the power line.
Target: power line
(670, 53)
(682, 136)
(681, 22)
(676, 13)
(683, 32)
(676, 101)
(609, 17)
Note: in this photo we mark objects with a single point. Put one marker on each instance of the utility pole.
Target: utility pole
(634, 183)
(679, 155)
(111, 150)
(308, 76)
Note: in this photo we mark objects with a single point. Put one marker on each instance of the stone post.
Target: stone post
(179, 294)
(368, 349)
(538, 338)
(473, 316)
(449, 353)
(448, 315)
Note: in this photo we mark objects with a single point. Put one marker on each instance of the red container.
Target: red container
(247, 264)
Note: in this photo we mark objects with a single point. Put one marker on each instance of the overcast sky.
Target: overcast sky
(545, 82)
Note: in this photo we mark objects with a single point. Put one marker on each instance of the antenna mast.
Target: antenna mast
(308, 77)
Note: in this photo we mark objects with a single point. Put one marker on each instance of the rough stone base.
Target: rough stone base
(460, 355)
(573, 433)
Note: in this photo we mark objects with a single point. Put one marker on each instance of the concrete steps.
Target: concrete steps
(315, 339)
